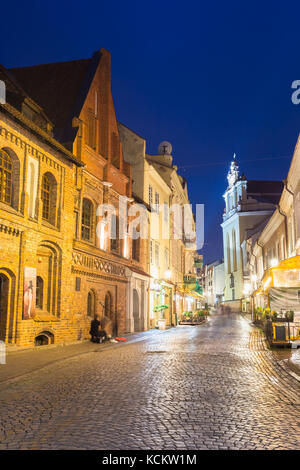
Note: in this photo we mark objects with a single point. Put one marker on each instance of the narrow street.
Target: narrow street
(208, 387)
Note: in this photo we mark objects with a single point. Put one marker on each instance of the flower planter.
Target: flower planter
(162, 324)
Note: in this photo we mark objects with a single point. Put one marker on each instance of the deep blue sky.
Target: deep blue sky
(213, 78)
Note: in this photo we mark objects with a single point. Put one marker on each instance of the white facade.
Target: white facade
(247, 205)
(219, 282)
(214, 282)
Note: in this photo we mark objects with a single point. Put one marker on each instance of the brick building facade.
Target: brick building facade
(61, 158)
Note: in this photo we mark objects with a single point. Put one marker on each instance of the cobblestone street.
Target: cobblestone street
(210, 387)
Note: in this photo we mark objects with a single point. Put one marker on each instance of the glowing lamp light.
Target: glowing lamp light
(168, 274)
(126, 246)
(274, 262)
(102, 236)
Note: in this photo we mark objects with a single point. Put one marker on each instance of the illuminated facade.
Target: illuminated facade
(248, 206)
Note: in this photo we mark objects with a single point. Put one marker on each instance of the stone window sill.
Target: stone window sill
(48, 225)
(8, 208)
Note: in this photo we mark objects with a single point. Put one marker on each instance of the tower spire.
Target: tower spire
(233, 174)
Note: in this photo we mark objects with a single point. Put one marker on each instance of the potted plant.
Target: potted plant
(266, 313)
(200, 315)
(289, 315)
(187, 316)
(274, 315)
(161, 321)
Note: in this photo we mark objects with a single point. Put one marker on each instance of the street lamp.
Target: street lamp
(274, 262)
(168, 274)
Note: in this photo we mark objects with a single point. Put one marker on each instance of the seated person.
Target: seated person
(96, 333)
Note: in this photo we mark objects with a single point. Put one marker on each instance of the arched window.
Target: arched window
(108, 305)
(5, 178)
(228, 254)
(91, 304)
(46, 190)
(31, 176)
(39, 292)
(234, 251)
(48, 196)
(114, 233)
(86, 219)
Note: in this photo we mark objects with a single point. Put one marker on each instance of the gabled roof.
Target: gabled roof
(60, 88)
(15, 96)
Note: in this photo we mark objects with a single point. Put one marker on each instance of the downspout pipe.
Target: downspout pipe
(263, 253)
(285, 216)
(285, 228)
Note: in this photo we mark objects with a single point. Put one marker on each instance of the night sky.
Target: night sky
(212, 78)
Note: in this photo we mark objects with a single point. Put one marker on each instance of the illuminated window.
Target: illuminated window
(5, 178)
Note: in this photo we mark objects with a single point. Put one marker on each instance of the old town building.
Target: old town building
(274, 252)
(63, 259)
(37, 181)
(213, 282)
(159, 187)
(248, 206)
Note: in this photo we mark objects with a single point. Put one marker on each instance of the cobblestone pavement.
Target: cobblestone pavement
(215, 386)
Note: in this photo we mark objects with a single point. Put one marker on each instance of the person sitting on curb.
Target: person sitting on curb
(98, 335)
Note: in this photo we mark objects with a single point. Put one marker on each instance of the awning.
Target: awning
(285, 274)
(193, 293)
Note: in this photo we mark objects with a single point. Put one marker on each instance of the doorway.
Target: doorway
(109, 312)
(136, 310)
